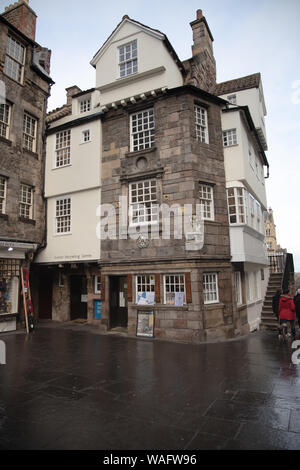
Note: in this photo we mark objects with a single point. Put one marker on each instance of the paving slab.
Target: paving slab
(69, 387)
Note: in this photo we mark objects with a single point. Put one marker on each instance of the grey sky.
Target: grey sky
(250, 36)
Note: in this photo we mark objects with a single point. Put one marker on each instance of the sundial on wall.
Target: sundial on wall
(142, 242)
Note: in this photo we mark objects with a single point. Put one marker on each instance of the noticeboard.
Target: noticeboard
(145, 323)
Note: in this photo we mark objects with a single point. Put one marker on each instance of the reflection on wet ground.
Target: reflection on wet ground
(68, 387)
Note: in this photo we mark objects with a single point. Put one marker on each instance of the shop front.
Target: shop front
(12, 258)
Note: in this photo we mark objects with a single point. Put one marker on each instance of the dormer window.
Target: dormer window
(128, 61)
(85, 105)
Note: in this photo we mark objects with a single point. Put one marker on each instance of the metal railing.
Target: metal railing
(283, 263)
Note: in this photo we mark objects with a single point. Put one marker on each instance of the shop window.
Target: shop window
(238, 287)
(145, 290)
(9, 285)
(174, 289)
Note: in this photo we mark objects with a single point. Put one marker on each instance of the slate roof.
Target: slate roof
(243, 83)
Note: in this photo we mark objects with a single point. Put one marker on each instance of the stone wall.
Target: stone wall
(16, 163)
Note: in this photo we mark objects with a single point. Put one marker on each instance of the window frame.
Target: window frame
(32, 138)
(134, 67)
(152, 203)
(24, 203)
(207, 292)
(97, 283)
(83, 141)
(85, 105)
(21, 65)
(4, 197)
(4, 124)
(238, 288)
(63, 148)
(201, 126)
(230, 135)
(56, 217)
(179, 284)
(238, 214)
(137, 138)
(211, 201)
(150, 282)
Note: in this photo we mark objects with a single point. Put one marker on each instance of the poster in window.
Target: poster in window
(146, 298)
(145, 323)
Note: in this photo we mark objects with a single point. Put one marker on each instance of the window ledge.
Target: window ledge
(27, 221)
(212, 306)
(136, 153)
(5, 140)
(15, 81)
(29, 152)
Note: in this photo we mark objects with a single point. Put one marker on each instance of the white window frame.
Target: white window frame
(3, 194)
(240, 210)
(5, 122)
(14, 63)
(178, 286)
(97, 284)
(147, 206)
(85, 105)
(26, 202)
(255, 286)
(144, 280)
(230, 138)
(206, 202)
(65, 200)
(142, 130)
(238, 287)
(63, 146)
(83, 136)
(128, 65)
(201, 124)
(29, 132)
(210, 288)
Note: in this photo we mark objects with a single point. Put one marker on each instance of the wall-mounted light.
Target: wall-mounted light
(10, 249)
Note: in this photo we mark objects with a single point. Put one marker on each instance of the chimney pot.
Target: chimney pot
(199, 14)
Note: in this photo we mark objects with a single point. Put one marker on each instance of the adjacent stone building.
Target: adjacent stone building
(24, 89)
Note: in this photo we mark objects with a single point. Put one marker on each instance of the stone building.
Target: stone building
(271, 237)
(24, 88)
(157, 140)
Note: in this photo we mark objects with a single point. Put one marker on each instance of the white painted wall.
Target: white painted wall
(85, 169)
(247, 245)
(237, 163)
(82, 243)
(255, 303)
(152, 54)
(254, 99)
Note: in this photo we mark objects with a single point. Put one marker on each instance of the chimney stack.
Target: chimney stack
(22, 17)
(203, 54)
(71, 91)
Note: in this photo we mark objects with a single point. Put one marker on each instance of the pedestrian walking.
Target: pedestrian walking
(275, 302)
(297, 305)
(286, 311)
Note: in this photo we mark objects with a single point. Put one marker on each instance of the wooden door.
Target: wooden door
(78, 288)
(45, 295)
(118, 302)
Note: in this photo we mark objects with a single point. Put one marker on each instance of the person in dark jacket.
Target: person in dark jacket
(286, 311)
(275, 302)
(297, 305)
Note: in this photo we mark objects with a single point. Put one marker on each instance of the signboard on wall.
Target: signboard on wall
(98, 309)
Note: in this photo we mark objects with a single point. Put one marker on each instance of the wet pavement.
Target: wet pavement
(68, 387)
